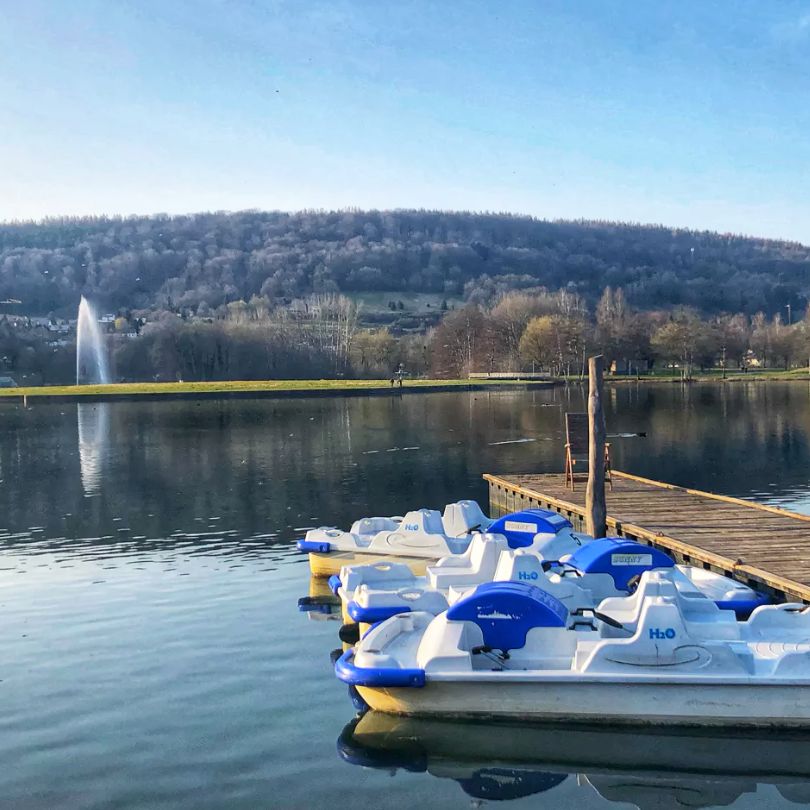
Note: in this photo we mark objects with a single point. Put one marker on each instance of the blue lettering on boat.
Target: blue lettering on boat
(657, 632)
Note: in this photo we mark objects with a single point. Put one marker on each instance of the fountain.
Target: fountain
(91, 354)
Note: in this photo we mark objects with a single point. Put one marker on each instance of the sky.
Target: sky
(689, 113)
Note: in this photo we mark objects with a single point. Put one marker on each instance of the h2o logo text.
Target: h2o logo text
(527, 575)
(658, 633)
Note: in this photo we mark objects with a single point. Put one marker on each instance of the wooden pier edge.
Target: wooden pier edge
(507, 495)
(725, 498)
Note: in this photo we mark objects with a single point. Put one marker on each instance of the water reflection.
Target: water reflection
(274, 466)
(661, 769)
(178, 578)
(320, 604)
(93, 427)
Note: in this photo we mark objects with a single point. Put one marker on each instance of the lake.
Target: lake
(153, 652)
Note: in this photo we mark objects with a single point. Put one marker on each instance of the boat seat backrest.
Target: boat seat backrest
(556, 546)
(778, 621)
(516, 566)
(486, 550)
(461, 560)
(621, 559)
(660, 639)
(463, 517)
(521, 528)
(698, 613)
(627, 609)
(375, 574)
(506, 611)
(478, 561)
(512, 565)
(374, 525)
(422, 521)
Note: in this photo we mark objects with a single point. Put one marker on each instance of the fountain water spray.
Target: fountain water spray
(91, 354)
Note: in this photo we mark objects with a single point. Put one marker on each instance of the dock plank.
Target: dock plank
(761, 545)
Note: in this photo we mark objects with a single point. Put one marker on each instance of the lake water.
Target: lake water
(153, 653)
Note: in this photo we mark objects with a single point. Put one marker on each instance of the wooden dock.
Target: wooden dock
(762, 546)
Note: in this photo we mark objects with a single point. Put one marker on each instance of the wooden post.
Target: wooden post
(595, 508)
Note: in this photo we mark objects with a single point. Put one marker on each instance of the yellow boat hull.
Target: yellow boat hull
(325, 565)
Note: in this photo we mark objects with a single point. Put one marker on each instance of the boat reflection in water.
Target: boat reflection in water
(320, 604)
(660, 768)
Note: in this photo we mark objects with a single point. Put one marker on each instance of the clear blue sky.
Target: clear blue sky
(691, 113)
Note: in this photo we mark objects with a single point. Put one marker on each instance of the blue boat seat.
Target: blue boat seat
(623, 560)
(506, 611)
(520, 528)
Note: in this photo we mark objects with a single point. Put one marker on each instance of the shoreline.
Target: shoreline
(292, 389)
(267, 389)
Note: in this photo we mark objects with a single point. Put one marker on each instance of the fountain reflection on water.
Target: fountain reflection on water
(94, 424)
(91, 354)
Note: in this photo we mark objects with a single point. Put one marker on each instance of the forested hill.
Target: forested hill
(201, 261)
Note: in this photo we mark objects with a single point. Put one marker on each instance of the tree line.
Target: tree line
(556, 332)
(199, 263)
(258, 295)
(322, 335)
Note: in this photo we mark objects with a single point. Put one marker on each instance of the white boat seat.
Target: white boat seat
(477, 564)
(661, 639)
(380, 574)
(792, 620)
(374, 525)
(464, 517)
(518, 566)
(427, 521)
(698, 613)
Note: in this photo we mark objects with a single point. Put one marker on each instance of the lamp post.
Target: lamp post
(787, 307)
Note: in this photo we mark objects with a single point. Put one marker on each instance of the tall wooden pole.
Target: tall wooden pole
(595, 508)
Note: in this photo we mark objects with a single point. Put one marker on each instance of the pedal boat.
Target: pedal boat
(599, 569)
(510, 650)
(537, 531)
(420, 537)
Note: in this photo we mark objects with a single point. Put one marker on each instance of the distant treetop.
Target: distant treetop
(209, 259)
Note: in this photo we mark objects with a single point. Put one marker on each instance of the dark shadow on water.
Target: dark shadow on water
(646, 768)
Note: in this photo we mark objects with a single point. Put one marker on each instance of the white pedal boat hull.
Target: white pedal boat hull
(602, 702)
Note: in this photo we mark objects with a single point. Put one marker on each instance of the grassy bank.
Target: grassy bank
(247, 387)
(281, 388)
(712, 375)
